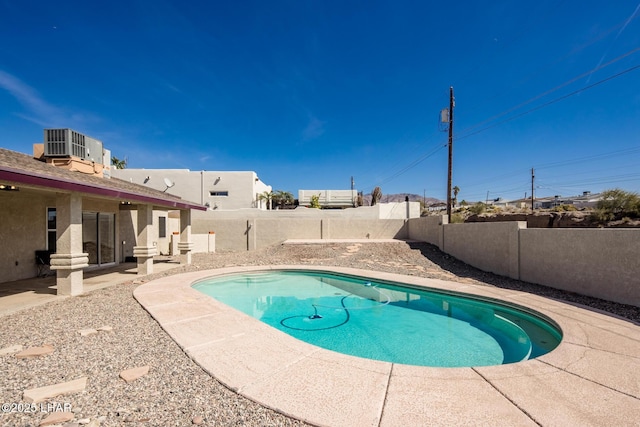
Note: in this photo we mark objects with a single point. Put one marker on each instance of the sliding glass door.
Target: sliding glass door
(99, 237)
(107, 237)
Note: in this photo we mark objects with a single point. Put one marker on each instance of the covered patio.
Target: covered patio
(21, 294)
(78, 219)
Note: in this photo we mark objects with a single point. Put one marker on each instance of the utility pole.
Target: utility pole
(532, 178)
(451, 105)
(353, 196)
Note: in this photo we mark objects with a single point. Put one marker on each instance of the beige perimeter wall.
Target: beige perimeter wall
(256, 233)
(602, 263)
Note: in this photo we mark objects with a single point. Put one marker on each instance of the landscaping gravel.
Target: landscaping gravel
(176, 391)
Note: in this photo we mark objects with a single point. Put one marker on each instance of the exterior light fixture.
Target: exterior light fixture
(6, 187)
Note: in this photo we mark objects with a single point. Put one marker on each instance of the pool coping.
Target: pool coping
(591, 378)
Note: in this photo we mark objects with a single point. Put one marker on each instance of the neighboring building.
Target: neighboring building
(214, 189)
(59, 209)
(586, 200)
(329, 198)
(437, 207)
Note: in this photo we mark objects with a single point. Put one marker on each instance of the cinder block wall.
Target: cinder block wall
(343, 228)
(427, 229)
(602, 263)
(490, 246)
(255, 233)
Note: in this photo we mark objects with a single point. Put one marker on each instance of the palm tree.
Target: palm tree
(456, 190)
(282, 198)
(119, 164)
(376, 195)
(268, 196)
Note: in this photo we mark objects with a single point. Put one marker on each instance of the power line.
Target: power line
(522, 104)
(576, 50)
(546, 104)
(411, 165)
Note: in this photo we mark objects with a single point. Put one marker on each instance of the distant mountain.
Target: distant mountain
(401, 197)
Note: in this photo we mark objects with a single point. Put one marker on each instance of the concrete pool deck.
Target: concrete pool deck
(591, 378)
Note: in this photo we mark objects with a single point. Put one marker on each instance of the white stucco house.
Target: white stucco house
(218, 190)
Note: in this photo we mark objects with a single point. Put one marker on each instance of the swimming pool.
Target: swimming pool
(387, 321)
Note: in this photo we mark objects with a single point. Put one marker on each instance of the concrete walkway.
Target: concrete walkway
(591, 379)
(21, 294)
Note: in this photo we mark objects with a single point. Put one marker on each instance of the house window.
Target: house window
(219, 193)
(51, 230)
(162, 226)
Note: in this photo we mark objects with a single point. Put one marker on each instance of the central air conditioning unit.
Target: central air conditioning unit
(69, 143)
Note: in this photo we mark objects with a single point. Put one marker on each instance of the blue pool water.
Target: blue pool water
(387, 321)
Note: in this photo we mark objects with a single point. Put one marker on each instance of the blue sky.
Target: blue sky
(310, 93)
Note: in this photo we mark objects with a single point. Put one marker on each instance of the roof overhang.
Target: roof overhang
(111, 192)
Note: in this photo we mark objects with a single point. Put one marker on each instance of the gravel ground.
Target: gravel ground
(177, 392)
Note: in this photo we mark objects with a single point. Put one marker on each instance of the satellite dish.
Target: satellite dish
(168, 183)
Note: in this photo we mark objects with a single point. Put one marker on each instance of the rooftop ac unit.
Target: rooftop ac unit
(67, 142)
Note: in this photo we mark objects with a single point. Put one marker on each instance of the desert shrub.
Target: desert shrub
(478, 208)
(457, 218)
(564, 208)
(617, 203)
(315, 201)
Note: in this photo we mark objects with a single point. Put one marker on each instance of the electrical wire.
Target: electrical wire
(465, 133)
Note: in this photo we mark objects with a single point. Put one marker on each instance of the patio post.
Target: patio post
(144, 251)
(69, 260)
(185, 245)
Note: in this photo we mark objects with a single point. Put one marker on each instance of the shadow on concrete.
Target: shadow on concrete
(20, 294)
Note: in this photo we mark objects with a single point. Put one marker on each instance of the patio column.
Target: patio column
(186, 244)
(145, 250)
(69, 260)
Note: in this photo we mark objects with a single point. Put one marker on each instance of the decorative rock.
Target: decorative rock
(35, 352)
(96, 423)
(105, 328)
(11, 349)
(84, 421)
(85, 332)
(197, 420)
(134, 373)
(56, 418)
(71, 425)
(37, 395)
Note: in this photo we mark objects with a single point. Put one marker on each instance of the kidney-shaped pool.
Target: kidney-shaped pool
(388, 321)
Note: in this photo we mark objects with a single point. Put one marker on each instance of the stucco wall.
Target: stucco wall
(196, 186)
(23, 230)
(128, 231)
(603, 263)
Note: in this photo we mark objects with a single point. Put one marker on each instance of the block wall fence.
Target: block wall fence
(598, 262)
